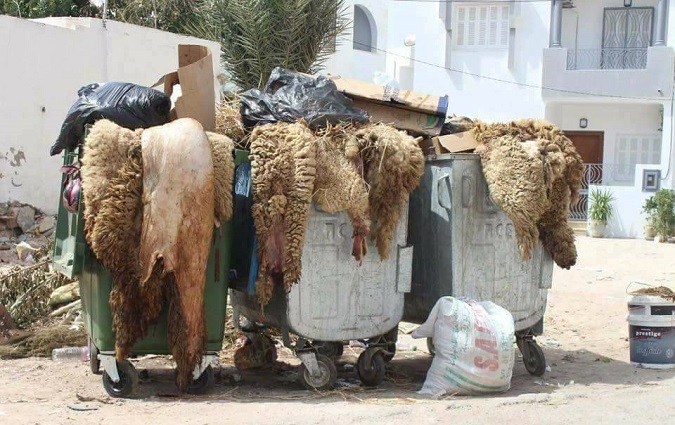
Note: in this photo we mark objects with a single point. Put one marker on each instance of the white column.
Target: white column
(556, 24)
(661, 19)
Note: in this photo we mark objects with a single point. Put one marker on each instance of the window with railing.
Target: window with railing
(626, 37)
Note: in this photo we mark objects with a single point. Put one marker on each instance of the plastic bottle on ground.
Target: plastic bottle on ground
(71, 354)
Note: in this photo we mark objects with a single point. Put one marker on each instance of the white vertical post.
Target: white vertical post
(556, 24)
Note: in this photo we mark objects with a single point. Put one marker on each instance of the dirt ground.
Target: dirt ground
(585, 341)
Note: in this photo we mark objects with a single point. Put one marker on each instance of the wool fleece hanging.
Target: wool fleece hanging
(534, 173)
(152, 198)
(178, 220)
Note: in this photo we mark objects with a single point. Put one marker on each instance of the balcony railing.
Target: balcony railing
(622, 58)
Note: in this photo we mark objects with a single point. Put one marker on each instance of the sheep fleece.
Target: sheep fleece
(178, 221)
(283, 164)
(112, 184)
(534, 173)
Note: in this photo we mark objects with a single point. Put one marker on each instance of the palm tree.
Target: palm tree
(258, 35)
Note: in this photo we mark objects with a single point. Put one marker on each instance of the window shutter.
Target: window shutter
(461, 26)
(482, 28)
(633, 149)
(494, 25)
(471, 37)
(505, 26)
(656, 151)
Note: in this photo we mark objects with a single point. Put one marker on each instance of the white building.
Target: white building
(45, 62)
(602, 70)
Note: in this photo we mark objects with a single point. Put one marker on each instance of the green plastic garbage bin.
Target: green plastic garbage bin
(73, 258)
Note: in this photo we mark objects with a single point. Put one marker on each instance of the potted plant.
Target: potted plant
(649, 208)
(600, 211)
(664, 223)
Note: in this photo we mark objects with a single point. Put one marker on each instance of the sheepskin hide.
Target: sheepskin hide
(112, 185)
(228, 121)
(534, 173)
(222, 149)
(392, 164)
(178, 221)
(515, 167)
(283, 164)
(339, 187)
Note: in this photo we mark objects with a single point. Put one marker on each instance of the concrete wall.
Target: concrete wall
(613, 119)
(351, 63)
(519, 65)
(627, 220)
(44, 64)
(622, 83)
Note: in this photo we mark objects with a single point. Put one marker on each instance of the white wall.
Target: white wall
(611, 118)
(358, 64)
(469, 94)
(44, 64)
(617, 83)
(627, 219)
(588, 33)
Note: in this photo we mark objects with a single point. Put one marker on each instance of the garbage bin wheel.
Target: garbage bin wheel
(94, 362)
(430, 346)
(127, 383)
(371, 375)
(203, 384)
(391, 338)
(533, 357)
(391, 352)
(329, 349)
(326, 378)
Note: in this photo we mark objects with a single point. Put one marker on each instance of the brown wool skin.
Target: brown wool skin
(536, 158)
(114, 217)
(393, 165)
(283, 161)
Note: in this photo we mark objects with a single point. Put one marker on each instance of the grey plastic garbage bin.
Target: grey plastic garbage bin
(465, 246)
(335, 301)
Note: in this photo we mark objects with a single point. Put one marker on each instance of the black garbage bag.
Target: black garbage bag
(289, 96)
(126, 104)
(456, 125)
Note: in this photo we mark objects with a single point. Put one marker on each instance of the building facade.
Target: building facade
(602, 70)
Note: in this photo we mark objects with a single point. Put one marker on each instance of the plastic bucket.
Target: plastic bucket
(651, 332)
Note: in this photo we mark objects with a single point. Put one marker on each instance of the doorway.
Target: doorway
(590, 146)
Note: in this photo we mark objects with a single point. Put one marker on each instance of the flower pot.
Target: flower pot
(650, 233)
(597, 229)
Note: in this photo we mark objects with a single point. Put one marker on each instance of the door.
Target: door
(589, 145)
(626, 35)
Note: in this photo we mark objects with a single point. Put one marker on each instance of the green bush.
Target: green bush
(664, 223)
(649, 208)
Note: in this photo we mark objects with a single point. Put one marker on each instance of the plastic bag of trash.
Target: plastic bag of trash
(474, 347)
(456, 125)
(289, 96)
(126, 104)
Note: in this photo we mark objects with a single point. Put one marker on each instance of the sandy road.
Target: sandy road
(585, 343)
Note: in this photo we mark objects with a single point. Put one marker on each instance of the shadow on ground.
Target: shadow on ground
(405, 375)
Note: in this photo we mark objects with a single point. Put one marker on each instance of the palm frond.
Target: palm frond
(258, 35)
